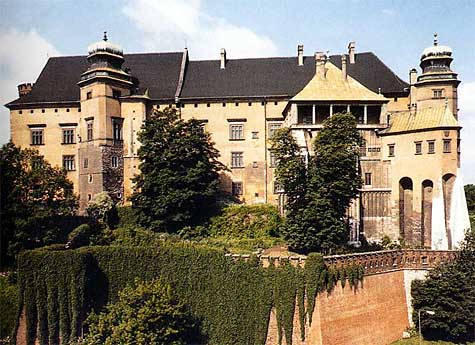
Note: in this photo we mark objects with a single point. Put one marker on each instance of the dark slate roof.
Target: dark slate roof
(278, 76)
(159, 72)
(370, 71)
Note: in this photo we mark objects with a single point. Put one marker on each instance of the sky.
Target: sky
(395, 30)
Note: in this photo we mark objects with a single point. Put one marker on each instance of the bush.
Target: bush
(128, 216)
(148, 313)
(8, 306)
(80, 236)
(246, 221)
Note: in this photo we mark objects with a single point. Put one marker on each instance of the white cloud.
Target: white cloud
(466, 94)
(169, 25)
(22, 57)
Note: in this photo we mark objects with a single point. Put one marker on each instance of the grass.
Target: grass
(415, 341)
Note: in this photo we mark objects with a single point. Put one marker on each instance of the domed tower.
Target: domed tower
(101, 151)
(438, 83)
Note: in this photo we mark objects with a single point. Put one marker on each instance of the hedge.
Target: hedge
(232, 299)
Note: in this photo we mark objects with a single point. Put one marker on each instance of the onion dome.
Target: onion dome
(436, 50)
(435, 63)
(105, 46)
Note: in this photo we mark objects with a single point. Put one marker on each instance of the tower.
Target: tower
(101, 143)
(437, 83)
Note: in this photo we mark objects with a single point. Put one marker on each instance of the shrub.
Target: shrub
(80, 236)
(246, 221)
(8, 306)
(148, 313)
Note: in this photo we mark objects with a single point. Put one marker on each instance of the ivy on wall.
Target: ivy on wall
(232, 299)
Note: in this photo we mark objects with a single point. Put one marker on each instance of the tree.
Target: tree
(34, 197)
(178, 185)
(470, 195)
(319, 194)
(449, 291)
(148, 313)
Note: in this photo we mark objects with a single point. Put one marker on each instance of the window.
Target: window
(89, 197)
(431, 146)
(237, 160)
(68, 162)
(114, 161)
(86, 163)
(116, 94)
(68, 136)
(255, 135)
(90, 178)
(273, 127)
(236, 188)
(117, 129)
(237, 104)
(249, 104)
(236, 132)
(37, 137)
(90, 126)
(89, 95)
(418, 147)
(37, 162)
(367, 179)
(438, 93)
(447, 145)
(273, 160)
(391, 150)
(278, 189)
(224, 104)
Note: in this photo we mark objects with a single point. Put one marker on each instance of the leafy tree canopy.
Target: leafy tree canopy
(34, 195)
(178, 184)
(319, 194)
(449, 291)
(470, 195)
(148, 313)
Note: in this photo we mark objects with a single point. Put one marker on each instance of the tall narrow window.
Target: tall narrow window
(117, 129)
(37, 137)
(236, 188)
(68, 136)
(114, 161)
(367, 179)
(418, 147)
(68, 162)
(391, 148)
(447, 145)
(237, 160)
(236, 132)
(86, 163)
(274, 127)
(273, 160)
(431, 146)
(90, 130)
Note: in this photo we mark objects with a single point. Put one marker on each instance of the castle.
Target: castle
(84, 113)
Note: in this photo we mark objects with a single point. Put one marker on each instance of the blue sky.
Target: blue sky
(397, 31)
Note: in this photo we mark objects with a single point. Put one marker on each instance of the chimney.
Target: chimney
(24, 89)
(300, 54)
(351, 52)
(223, 58)
(412, 76)
(320, 61)
(343, 67)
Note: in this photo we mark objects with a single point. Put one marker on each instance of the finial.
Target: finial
(105, 36)
(436, 41)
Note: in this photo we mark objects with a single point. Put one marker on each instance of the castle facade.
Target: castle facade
(84, 113)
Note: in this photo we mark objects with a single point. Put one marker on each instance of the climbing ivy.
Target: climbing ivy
(232, 299)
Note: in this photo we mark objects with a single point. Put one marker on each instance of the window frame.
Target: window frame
(37, 136)
(368, 179)
(447, 146)
(90, 130)
(117, 125)
(418, 147)
(431, 147)
(68, 139)
(273, 127)
(237, 157)
(237, 188)
(233, 132)
(391, 150)
(69, 162)
(114, 165)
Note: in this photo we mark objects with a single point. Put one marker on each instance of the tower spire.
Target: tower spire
(105, 36)
(436, 40)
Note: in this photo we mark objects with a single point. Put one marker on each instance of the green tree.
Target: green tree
(470, 196)
(34, 198)
(319, 194)
(178, 184)
(449, 291)
(148, 313)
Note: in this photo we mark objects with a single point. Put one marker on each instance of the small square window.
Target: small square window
(438, 93)
(43, 111)
(56, 110)
(237, 104)
(249, 104)
(79, 110)
(447, 145)
(68, 163)
(275, 103)
(367, 179)
(391, 148)
(262, 103)
(196, 105)
(67, 110)
(237, 160)
(208, 105)
(31, 111)
(255, 165)
(20, 112)
(255, 135)
(236, 188)
(224, 104)
(431, 146)
(89, 95)
(418, 147)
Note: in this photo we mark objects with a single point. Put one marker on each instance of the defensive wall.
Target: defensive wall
(377, 312)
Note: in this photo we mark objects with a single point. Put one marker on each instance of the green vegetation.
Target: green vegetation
(37, 202)
(449, 291)
(148, 313)
(231, 299)
(319, 195)
(178, 183)
(415, 341)
(8, 306)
